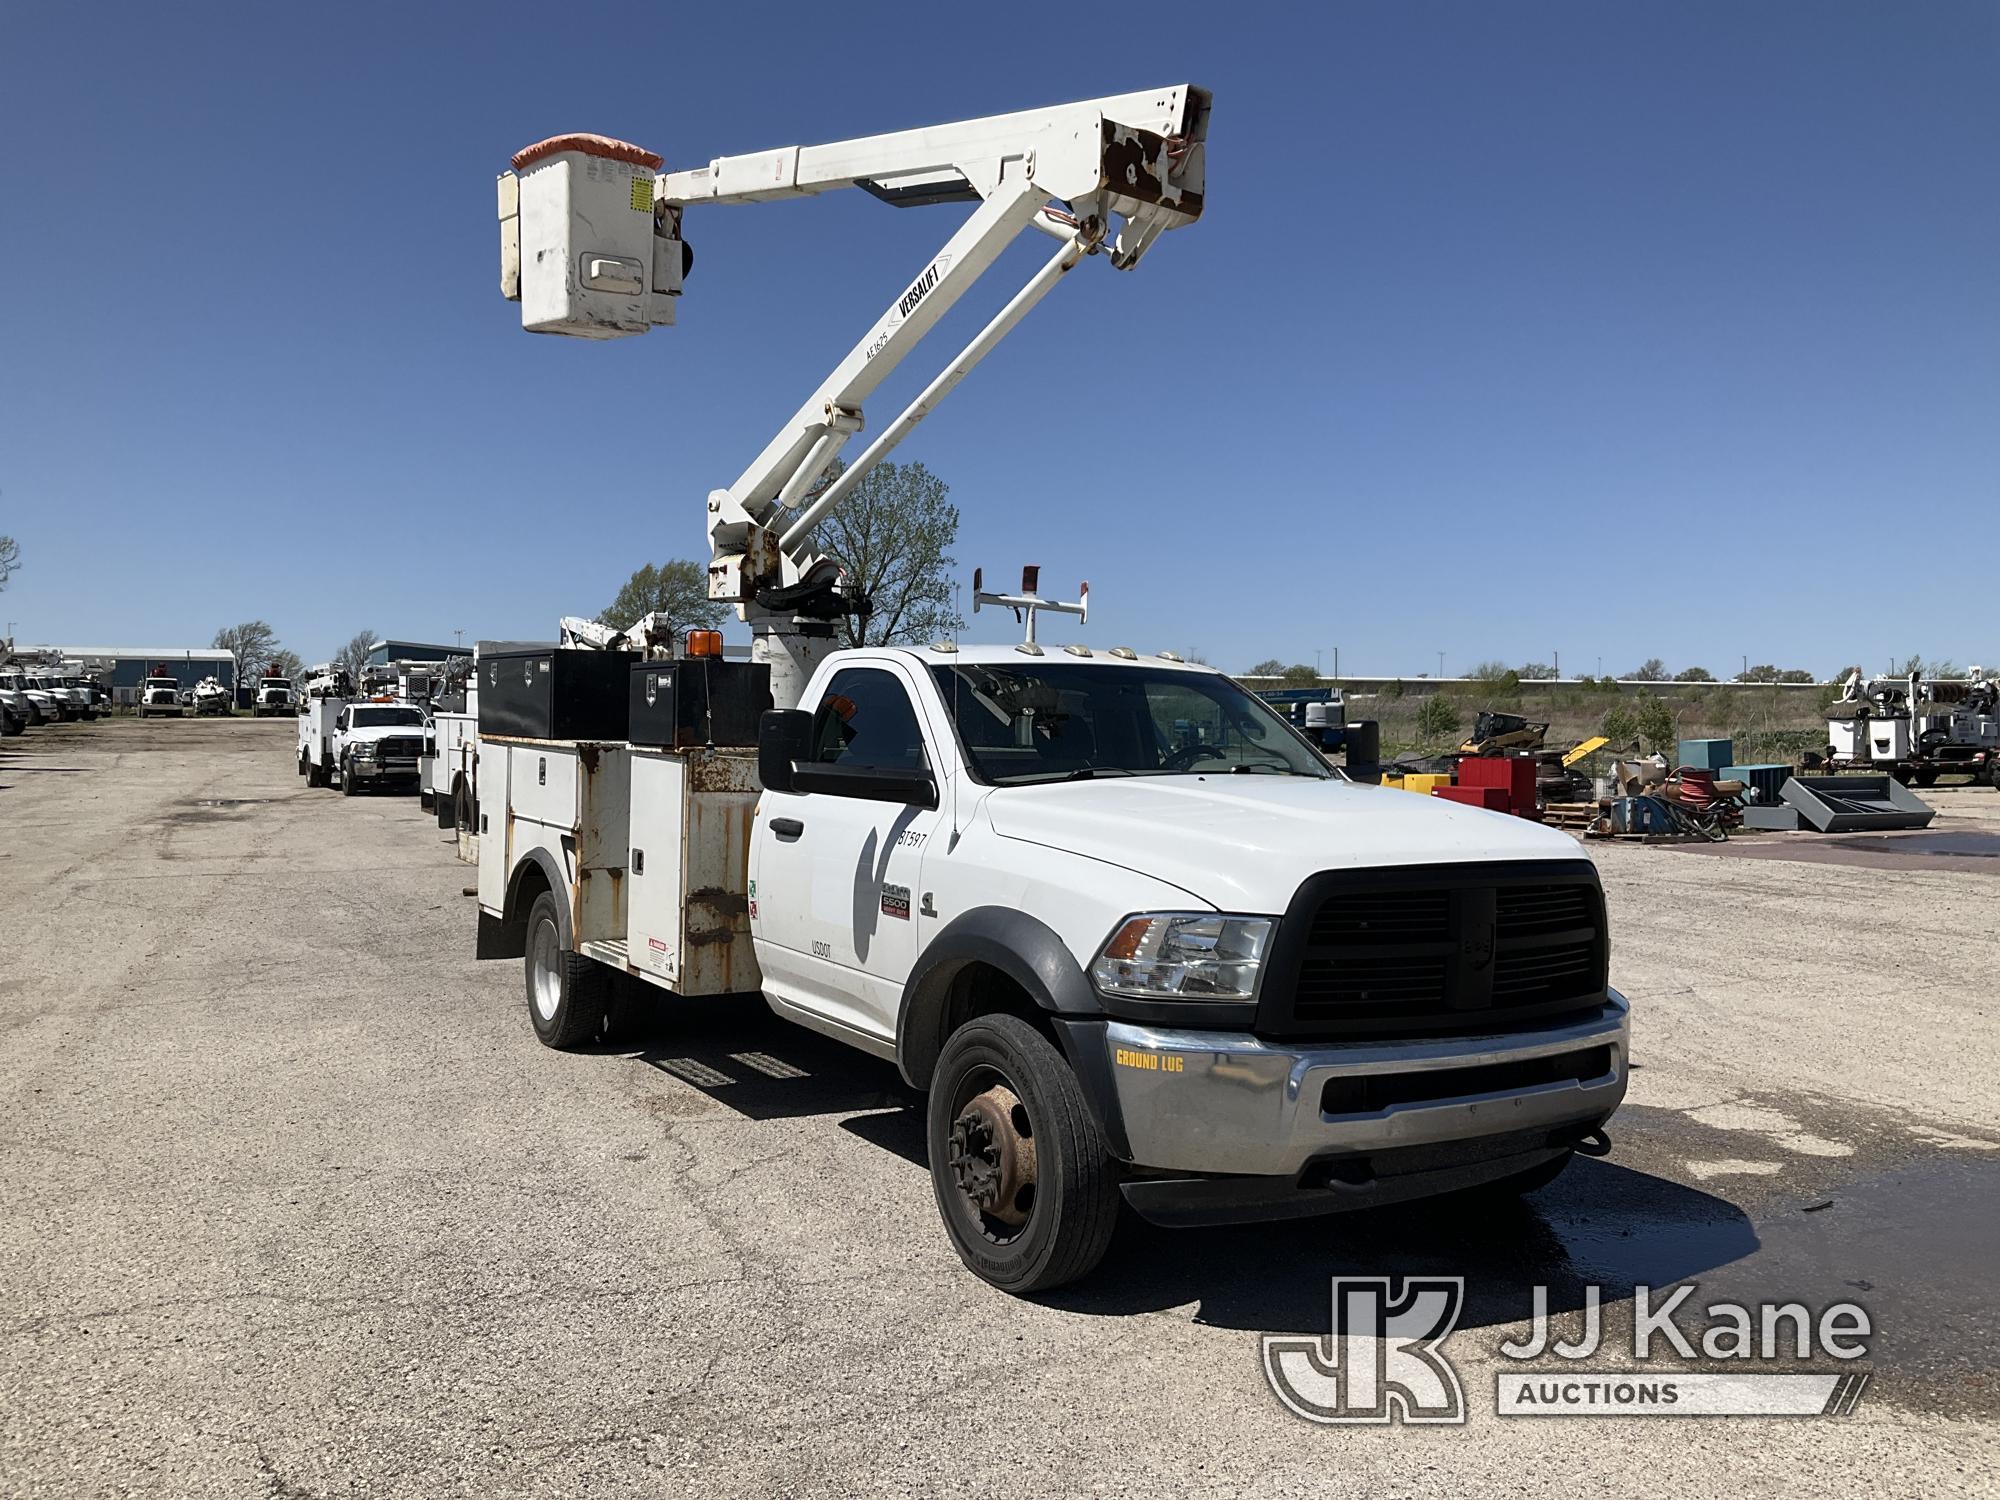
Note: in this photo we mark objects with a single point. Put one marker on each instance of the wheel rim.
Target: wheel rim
(990, 1154)
(545, 969)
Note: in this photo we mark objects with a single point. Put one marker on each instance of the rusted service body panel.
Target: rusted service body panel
(572, 800)
(653, 846)
(690, 891)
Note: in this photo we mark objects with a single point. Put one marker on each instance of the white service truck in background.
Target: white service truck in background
(160, 697)
(274, 696)
(1133, 936)
(376, 742)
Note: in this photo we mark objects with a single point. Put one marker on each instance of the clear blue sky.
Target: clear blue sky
(1619, 330)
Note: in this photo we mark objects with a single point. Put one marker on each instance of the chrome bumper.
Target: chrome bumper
(1219, 1102)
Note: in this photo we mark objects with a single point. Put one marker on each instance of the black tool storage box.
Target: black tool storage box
(702, 700)
(538, 692)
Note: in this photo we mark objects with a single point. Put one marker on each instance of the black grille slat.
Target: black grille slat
(1425, 950)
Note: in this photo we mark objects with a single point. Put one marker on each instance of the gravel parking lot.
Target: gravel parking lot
(297, 1206)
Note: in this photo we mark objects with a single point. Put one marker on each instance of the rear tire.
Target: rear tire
(569, 996)
(1057, 1223)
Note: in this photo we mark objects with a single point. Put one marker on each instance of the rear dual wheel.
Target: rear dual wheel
(569, 996)
(1026, 1188)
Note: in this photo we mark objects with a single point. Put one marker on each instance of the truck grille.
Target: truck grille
(1437, 949)
(402, 748)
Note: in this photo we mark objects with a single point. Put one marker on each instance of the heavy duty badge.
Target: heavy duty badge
(896, 902)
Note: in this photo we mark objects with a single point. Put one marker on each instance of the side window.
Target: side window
(866, 719)
(341, 722)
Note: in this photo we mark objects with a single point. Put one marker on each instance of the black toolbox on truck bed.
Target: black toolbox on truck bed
(700, 700)
(537, 691)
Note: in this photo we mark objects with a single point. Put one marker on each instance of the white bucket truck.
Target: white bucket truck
(1131, 934)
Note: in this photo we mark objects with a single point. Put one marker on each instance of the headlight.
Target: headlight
(1185, 956)
(365, 752)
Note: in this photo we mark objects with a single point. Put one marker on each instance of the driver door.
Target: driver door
(838, 880)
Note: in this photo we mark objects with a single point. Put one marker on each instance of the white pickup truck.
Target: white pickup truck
(1128, 930)
(377, 742)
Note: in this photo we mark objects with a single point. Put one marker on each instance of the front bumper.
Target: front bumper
(1339, 1125)
(384, 770)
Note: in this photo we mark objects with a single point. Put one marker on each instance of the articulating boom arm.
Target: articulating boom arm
(1101, 176)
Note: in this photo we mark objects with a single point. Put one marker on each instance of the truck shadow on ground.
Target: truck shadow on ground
(1600, 1224)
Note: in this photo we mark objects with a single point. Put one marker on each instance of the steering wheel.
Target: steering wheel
(1185, 757)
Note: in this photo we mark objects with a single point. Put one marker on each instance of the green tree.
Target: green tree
(1694, 674)
(1299, 675)
(1437, 718)
(249, 645)
(10, 558)
(1654, 722)
(1270, 666)
(1537, 671)
(893, 534)
(677, 589)
(1619, 725)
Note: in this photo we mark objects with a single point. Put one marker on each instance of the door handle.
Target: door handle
(787, 828)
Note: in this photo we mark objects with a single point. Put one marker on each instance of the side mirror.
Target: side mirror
(784, 735)
(868, 783)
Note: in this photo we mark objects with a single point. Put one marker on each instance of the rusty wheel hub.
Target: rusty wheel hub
(993, 1155)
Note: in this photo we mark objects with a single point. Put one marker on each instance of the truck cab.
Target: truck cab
(377, 743)
(70, 703)
(160, 697)
(1129, 931)
(40, 705)
(274, 696)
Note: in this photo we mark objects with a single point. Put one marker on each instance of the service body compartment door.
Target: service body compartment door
(839, 880)
(688, 893)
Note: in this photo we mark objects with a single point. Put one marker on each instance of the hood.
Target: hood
(1244, 843)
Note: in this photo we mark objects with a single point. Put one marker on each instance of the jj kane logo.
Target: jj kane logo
(1385, 1360)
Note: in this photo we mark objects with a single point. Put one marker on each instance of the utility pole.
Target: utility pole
(460, 635)
(1336, 664)
(1559, 666)
(1440, 665)
(1316, 671)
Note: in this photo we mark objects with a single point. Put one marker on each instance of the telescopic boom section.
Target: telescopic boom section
(591, 246)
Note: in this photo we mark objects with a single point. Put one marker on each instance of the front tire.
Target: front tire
(347, 785)
(569, 996)
(1027, 1191)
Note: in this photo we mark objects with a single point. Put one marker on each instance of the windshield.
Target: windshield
(1063, 721)
(379, 718)
(278, 682)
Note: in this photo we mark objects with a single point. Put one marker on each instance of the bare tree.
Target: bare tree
(10, 558)
(286, 664)
(1270, 666)
(1651, 670)
(893, 535)
(249, 645)
(1537, 671)
(354, 655)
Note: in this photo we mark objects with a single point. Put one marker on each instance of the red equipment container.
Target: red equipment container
(1513, 774)
(1492, 798)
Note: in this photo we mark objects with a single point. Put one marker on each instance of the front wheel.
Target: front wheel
(1026, 1188)
(347, 783)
